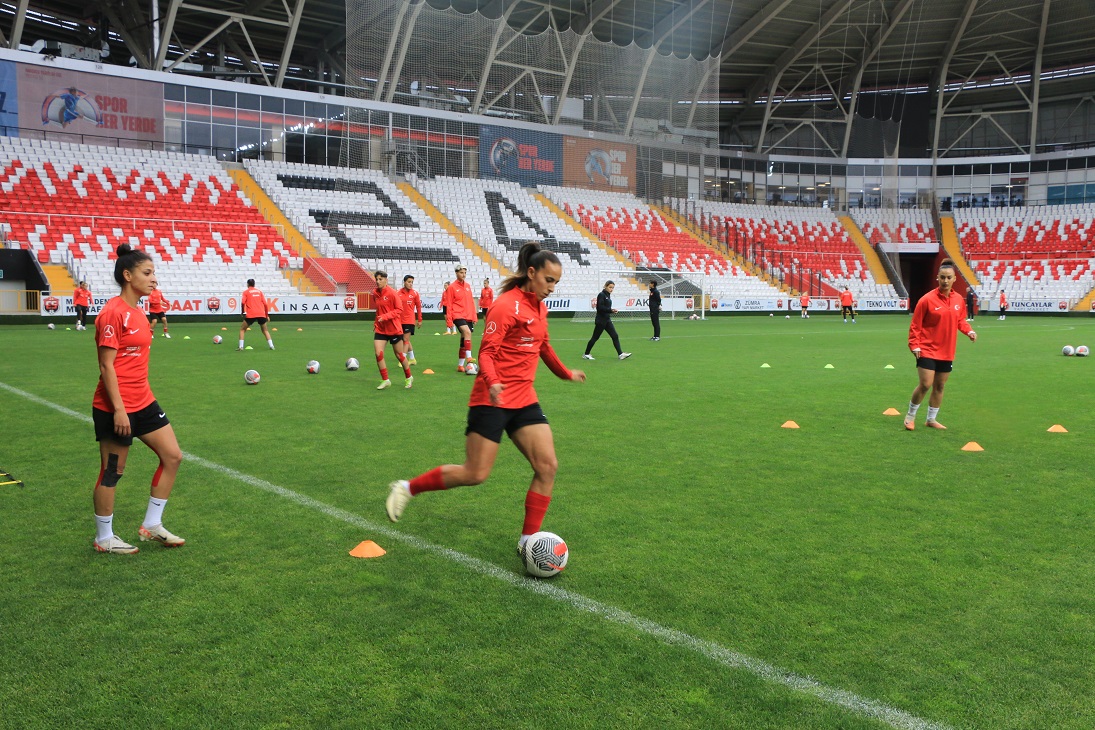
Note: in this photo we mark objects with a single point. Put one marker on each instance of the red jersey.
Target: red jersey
(804, 300)
(156, 302)
(461, 301)
(846, 299)
(1003, 300)
(253, 304)
(486, 297)
(514, 340)
(935, 322)
(81, 297)
(125, 329)
(412, 306)
(389, 312)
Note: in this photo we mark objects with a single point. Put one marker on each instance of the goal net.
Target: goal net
(683, 295)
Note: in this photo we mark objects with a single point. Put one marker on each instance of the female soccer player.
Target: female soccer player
(486, 298)
(124, 407)
(503, 398)
(463, 314)
(804, 302)
(939, 316)
(412, 312)
(81, 300)
(255, 308)
(602, 322)
(157, 310)
(388, 328)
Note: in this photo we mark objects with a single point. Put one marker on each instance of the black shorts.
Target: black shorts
(391, 339)
(939, 366)
(458, 323)
(846, 309)
(148, 419)
(490, 421)
(251, 320)
(408, 329)
(153, 316)
(1004, 308)
(483, 311)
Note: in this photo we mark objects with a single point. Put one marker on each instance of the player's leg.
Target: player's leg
(378, 350)
(401, 357)
(611, 329)
(935, 400)
(243, 330)
(655, 319)
(479, 455)
(165, 445)
(537, 444)
(408, 348)
(266, 334)
(112, 458)
(598, 328)
(465, 343)
(163, 322)
(925, 379)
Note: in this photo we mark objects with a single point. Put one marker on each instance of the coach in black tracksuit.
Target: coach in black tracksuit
(603, 323)
(655, 302)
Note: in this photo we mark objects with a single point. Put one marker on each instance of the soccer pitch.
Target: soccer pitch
(724, 572)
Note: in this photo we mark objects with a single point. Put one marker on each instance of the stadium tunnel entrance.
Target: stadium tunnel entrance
(918, 272)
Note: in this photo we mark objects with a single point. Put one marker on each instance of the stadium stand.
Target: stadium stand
(74, 204)
(361, 214)
(1034, 252)
(895, 226)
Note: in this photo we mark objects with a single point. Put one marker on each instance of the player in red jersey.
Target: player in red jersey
(1003, 305)
(124, 407)
(462, 313)
(388, 328)
(804, 302)
(157, 310)
(81, 300)
(449, 329)
(503, 399)
(486, 298)
(847, 304)
(412, 312)
(938, 318)
(255, 308)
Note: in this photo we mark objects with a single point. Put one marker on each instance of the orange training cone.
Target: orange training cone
(427, 371)
(367, 549)
(789, 424)
(891, 412)
(972, 446)
(1057, 428)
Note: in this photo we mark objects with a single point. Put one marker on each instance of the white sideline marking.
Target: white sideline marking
(850, 701)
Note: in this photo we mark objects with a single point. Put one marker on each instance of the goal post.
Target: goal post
(683, 294)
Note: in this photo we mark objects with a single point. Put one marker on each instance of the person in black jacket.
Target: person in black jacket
(603, 323)
(655, 302)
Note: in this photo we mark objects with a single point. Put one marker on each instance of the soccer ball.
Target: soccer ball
(788, 316)
(217, 339)
(1068, 350)
(313, 366)
(471, 368)
(545, 555)
(252, 377)
(771, 315)
(352, 364)
(1082, 351)
(694, 316)
(51, 326)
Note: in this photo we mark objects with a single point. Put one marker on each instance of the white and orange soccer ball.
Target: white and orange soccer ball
(545, 554)
(313, 366)
(471, 368)
(252, 377)
(217, 339)
(1082, 351)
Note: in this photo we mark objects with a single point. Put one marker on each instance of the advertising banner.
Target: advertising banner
(520, 155)
(62, 101)
(9, 99)
(291, 306)
(589, 163)
(1037, 305)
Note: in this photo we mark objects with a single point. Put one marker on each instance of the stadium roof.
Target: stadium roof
(793, 49)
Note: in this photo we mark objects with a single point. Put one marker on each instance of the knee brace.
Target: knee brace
(111, 476)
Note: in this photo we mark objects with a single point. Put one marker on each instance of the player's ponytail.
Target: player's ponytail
(129, 258)
(532, 257)
(947, 264)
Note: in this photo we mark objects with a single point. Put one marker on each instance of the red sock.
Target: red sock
(383, 373)
(406, 367)
(431, 481)
(536, 506)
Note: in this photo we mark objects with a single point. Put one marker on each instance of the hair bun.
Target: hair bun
(123, 249)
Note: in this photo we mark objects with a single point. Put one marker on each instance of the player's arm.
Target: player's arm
(494, 333)
(916, 328)
(107, 356)
(555, 365)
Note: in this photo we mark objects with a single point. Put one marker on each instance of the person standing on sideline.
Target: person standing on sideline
(503, 397)
(445, 295)
(388, 328)
(255, 308)
(412, 312)
(486, 297)
(971, 304)
(157, 310)
(81, 300)
(938, 318)
(463, 314)
(603, 323)
(124, 407)
(655, 304)
(847, 304)
(1003, 305)
(804, 302)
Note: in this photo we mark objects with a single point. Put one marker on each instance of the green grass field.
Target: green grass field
(724, 572)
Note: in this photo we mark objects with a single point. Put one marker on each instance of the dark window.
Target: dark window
(824, 170)
(247, 101)
(963, 170)
(945, 171)
(1000, 168)
(1058, 165)
(982, 169)
(419, 123)
(224, 98)
(907, 171)
(197, 96)
(198, 135)
(295, 107)
(1039, 166)
(273, 104)
(1020, 168)
(400, 121)
(855, 170)
(315, 110)
(174, 92)
(1077, 163)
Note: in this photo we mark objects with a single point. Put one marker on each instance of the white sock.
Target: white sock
(932, 413)
(154, 514)
(241, 344)
(467, 353)
(411, 355)
(104, 527)
(270, 343)
(461, 362)
(913, 408)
